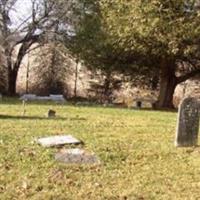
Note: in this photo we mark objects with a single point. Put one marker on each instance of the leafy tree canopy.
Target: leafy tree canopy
(158, 28)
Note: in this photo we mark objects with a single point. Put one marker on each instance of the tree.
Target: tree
(2, 73)
(158, 36)
(23, 33)
(90, 45)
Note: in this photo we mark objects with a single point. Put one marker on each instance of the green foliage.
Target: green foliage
(90, 43)
(156, 39)
(135, 35)
(155, 28)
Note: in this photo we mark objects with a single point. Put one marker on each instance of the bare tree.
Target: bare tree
(33, 28)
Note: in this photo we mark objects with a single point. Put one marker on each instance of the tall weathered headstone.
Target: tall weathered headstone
(188, 123)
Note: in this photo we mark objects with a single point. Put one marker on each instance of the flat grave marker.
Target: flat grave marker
(76, 156)
(59, 140)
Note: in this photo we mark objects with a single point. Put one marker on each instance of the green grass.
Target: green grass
(136, 148)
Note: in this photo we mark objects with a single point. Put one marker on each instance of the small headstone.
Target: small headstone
(76, 156)
(55, 141)
(51, 113)
(188, 123)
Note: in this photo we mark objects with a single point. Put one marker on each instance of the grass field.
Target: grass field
(136, 149)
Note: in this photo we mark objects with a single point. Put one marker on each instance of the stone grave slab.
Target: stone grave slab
(43, 98)
(76, 156)
(28, 97)
(60, 140)
(188, 123)
(57, 98)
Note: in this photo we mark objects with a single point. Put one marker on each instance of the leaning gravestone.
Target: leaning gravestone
(188, 123)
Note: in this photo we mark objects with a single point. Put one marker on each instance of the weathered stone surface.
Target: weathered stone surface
(33, 97)
(57, 97)
(76, 156)
(28, 97)
(54, 141)
(43, 98)
(188, 123)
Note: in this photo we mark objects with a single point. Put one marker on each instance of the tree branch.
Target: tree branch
(30, 38)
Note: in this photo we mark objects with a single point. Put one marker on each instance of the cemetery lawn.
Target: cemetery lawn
(136, 149)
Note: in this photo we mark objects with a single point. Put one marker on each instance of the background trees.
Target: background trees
(162, 36)
(151, 40)
(24, 32)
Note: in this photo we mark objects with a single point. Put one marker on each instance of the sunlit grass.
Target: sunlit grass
(136, 148)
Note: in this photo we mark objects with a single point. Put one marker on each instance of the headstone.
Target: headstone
(188, 123)
(76, 156)
(51, 113)
(55, 141)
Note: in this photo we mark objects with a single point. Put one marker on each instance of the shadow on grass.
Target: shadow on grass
(130, 109)
(158, 110)
(5, 117)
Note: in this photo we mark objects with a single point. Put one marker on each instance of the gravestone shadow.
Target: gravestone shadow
(30, 117)
(5, 117)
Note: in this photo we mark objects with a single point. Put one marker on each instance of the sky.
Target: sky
(20, 12)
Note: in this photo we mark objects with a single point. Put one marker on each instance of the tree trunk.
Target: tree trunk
(107, 83)
(13, 68)
(168, 83)
(76, 79)
(12, 79)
